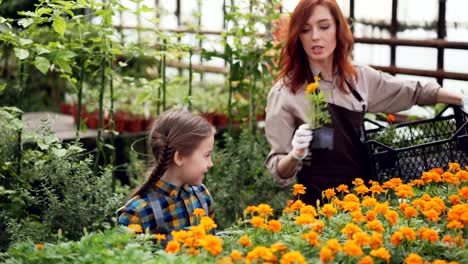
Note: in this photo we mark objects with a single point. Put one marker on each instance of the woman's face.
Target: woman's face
(318, 36)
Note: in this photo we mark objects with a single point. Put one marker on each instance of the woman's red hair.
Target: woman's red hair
(294, 65)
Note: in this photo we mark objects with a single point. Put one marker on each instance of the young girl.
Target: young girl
(182, 144)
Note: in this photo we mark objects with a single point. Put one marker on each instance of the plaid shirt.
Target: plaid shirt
(177, 204)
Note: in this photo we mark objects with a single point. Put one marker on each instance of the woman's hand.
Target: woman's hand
(300, 142)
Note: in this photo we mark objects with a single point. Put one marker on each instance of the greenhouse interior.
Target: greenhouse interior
(233, 131)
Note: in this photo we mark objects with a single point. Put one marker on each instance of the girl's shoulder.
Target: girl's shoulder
(137, 203)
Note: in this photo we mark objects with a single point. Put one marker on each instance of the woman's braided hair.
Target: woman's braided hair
(175, 130)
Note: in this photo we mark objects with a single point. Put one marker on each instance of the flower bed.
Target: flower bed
(422, 221)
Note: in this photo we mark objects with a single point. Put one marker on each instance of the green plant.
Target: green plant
(318, 113)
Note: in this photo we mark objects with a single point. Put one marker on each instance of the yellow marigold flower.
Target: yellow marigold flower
(376, 240)
(371, 215)
(312, 238)
(236, 255)
(135, 228)
(313, 86)
(265, 210)
(357, 216)
(278, 247)
(199, 212)
(350, 206)
(39, 246)
(454, 167)
(454, 199)
(173, 247)
(361, 238)
(366, 260)
(408, 232)
(274, 225)
(198, 231)
(159, 237)
(396, 238)
(351, 198)
(329, 193)
(244, 241)
(257, 221)
(350, 229)
(304, 219)
(431, 215)
(297, 205)
(318, 226)
(392, 217)
(361, 189)
(326, 254)
(309, 209)
(225, 260)
(381, 253)
(213, 244)
(369, 201)
(298, 189)
(208, 223)
(358, 181)
(293, 257)
(251, 209)
(462, 175)
(334, 245)
(413, 258)
(375, 225)
(463, 192)
(350, 248)
(343, 188)
(260, 253)
(328, 210)
(180, 235)
(428, 234)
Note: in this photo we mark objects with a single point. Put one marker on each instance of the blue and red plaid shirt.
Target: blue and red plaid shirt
(177, 205)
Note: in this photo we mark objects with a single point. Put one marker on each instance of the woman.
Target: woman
(319, 44)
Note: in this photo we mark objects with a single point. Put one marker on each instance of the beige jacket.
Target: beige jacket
(381, 92)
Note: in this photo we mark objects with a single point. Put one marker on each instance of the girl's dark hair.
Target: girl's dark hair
(175, 130)
(294, 65)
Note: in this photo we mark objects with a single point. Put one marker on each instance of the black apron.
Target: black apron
(347, 160)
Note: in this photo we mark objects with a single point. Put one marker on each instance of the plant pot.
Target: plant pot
(92, 120)
(148, 123)
(66, 108)
(323, 139)
(210, 117)
(134, 124)
(120, 121)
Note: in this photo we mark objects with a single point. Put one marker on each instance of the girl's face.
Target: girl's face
(318, 36)
(197, 164)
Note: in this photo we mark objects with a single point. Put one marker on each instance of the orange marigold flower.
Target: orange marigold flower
(410, 212)
(326, 254)
(343, 188)
(458, 213)
(371, 215)
(437, 170)
(244, 241)
(251, 209)
(431, 215)
(329, 193)
(274, 225)
(381, 253)
(312, 238)
(350, 206)
(135, 228)
(318, 226)
(358, 181)
(298, 189)
(375, 225)
(297, 205)
(313, 86)
(264, 210)
(396, 238)
(192, 251)
(413, 258)
(278, 247)
(173, 247)
(236, 255)
(208, 223)
(260, 253)
(225, 260)
(455, 224)
(159, 237)
(351, 198)
(428, 234)
(357, 216)
(417, 182)
(408, 232)
(309, 209)
(334, 245)
(462, 175)
(361, 189)
(376, 240)
(213, 244)
(293, 257)
(376, 189)
(350, 229)
(454, 199)
(350, 248)
(257, 221)
(390, 119)
(392, 217)
(366, 260)
(361, 238)
(39, 246)
(463, 192)
(199, 212)
(454, 167)
(304, 219)
(382, 208)
(328, 210)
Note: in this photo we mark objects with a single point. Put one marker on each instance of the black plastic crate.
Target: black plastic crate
(414, 147)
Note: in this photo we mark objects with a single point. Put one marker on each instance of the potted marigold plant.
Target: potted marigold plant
(319, 117)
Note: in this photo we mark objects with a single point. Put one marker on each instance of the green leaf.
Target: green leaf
(59, 25)
(42, 64)
(25, 22)
(24, 41)
(21, 53)
(41, 50)
(63, 65)
(2, 87)
(43, 10)
(59, 152)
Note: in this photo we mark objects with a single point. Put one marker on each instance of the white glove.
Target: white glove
(300, 142)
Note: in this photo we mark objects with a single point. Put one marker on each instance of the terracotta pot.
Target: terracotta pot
(210, 117)
(66, 108)
(92, 120)
(221, 120)
(120, 121)
(134, 124)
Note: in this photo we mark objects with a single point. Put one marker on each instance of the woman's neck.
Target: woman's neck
(325, 67)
